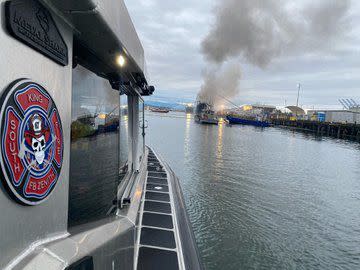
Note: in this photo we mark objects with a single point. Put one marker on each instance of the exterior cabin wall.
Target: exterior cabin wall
(23, 225)
(120, 22)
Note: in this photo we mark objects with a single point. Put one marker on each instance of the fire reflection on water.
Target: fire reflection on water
(219, 146)
(187, 135)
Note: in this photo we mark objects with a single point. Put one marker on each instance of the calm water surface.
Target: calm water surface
(264, 198)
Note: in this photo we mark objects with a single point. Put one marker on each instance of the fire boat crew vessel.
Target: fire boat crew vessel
(79, 188)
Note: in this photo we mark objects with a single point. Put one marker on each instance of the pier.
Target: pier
(335, 130)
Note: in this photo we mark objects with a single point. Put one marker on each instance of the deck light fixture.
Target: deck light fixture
(121, 60)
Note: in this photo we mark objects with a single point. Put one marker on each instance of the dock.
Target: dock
(336, 130)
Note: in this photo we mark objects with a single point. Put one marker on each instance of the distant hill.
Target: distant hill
(164, 104)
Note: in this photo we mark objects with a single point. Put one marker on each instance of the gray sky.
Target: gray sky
(172, 32)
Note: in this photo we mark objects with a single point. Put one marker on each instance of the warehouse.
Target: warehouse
(337, 116)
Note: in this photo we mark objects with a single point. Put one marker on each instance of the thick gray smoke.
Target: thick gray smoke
(258, 31)
(218, 83)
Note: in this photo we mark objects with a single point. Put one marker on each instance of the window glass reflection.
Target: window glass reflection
(124, 129)
(94, 156)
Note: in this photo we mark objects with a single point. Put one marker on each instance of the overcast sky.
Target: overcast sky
(172, 32)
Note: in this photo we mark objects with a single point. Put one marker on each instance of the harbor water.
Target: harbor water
(264, 198)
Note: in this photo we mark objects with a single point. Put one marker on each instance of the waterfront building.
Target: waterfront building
(337, 116)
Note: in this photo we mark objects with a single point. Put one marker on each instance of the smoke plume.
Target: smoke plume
(259, 31)
(219, 83)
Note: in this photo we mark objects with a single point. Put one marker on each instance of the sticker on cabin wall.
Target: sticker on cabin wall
(31, 142)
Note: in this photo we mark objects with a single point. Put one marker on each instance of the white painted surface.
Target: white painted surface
(342, 117)
(21, 226)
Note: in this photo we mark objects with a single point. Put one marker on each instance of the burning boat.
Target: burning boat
(204, 114)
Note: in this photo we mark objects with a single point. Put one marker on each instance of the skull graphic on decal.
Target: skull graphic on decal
(31, 142)
(38, 146)
(37, 137)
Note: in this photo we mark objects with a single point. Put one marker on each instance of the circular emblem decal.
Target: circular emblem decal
(31, 142)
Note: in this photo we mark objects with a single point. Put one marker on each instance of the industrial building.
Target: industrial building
(255, 109)
(335, 116)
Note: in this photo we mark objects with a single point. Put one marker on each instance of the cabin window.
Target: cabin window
(95, 148)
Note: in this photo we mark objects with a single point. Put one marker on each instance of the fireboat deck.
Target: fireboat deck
(158, 239)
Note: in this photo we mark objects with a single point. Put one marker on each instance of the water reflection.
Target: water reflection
(187, 135)
(265, 198)
(219, 157)
(220, 139)
(94, 148)
(123, 132)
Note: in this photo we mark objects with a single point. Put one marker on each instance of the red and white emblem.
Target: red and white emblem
(31, 142)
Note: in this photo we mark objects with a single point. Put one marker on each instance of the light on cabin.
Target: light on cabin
(121, 60)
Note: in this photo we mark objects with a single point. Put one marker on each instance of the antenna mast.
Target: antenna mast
(298, 94)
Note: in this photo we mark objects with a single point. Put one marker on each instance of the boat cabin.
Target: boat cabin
(79, 187)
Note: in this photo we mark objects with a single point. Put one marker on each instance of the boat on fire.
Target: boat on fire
(79, 187)
(204, 114)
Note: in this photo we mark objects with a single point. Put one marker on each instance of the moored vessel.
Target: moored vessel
(204, 114)
(189, 108)
(238, 120)
(159, 110)
(207, 117)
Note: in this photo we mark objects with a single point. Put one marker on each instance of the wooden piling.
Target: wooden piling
(337, 130)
